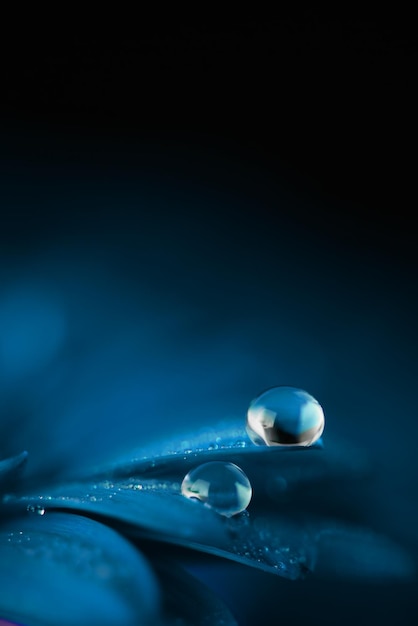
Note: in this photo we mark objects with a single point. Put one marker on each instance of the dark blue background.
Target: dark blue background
(200, 210)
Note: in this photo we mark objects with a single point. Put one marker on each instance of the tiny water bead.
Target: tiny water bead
(283, 416)
(38, 510)
(221, 486)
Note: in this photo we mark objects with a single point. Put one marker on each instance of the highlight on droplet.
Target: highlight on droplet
(283, 416)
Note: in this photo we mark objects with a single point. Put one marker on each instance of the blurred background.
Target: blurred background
(194, 210)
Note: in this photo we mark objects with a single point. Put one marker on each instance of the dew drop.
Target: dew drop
(240, 443)
(38, 510)
(284, 416)
(221, 486)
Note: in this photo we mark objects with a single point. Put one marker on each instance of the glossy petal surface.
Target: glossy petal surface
(157, 510)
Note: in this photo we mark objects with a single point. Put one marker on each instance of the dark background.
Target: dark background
(322, 101)
(215, 205)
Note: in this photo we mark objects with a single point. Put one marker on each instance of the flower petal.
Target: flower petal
(158, 511)
(229, 442)
(70, 570)
(315, 481)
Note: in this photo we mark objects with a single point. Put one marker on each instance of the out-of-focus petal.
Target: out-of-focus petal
(359, 554)
(10, 469)
(70, 570)
(188, 602)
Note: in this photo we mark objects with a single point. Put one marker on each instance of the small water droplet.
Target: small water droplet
(284, 416)
(222, 486)
(240, 443)
(106, 484)
(38, 510)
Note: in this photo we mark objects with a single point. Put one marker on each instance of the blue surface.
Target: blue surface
(138, 305)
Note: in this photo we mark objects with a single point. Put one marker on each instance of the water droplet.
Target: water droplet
(239, 443)
(222, 486)
(38, 510)
(284, 416)
(107, 484)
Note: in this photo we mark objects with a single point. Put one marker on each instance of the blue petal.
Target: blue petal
(229, 442)
(70, 570)
(156, 510)
(295, 479)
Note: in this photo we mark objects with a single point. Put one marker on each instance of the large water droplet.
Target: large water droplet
(222, 486)
(285, 416)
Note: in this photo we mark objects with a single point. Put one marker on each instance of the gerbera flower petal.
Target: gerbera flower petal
(157, 510)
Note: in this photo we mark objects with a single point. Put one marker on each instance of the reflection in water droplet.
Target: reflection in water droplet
(285, 416)
(222, 486)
